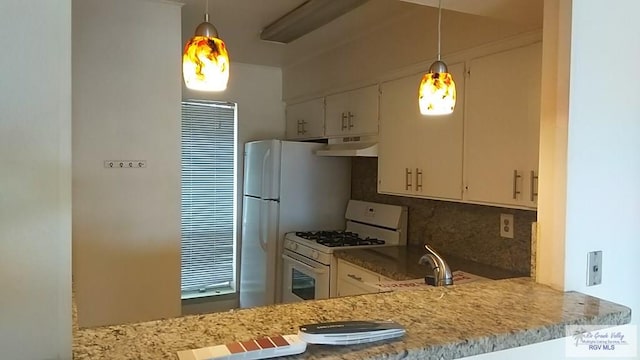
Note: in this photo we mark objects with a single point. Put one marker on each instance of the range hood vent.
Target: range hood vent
(351, 146)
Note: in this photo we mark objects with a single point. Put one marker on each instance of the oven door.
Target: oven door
(303, 278)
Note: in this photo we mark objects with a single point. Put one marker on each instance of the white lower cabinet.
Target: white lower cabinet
(419, 156)
(502, 127)
(355, 280)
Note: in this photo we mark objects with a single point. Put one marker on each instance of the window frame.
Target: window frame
(230, 286)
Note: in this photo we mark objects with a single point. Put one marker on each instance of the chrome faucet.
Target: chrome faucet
(441, 271)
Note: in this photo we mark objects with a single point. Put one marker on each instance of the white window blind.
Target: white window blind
(208, 199)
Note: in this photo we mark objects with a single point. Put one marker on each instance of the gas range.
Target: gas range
(320, 245)
(310, 268)
(367, 225)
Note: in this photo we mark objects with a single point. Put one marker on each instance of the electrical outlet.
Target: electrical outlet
(594, 268)
(506, 226)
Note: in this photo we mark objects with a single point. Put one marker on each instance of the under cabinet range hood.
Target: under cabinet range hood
(366, 146)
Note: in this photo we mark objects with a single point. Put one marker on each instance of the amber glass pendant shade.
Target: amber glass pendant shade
(205, 64)
(437, 94)
(205, 61)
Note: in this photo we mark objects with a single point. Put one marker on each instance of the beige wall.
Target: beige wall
(408, 40)
(126, 105)
(35, 180)
(258, 92)
(590, 155)
(603, 153)
(590, 159)
(553, 143)
(126, 223)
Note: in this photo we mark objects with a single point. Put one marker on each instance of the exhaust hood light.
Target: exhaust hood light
(437, 92)
(205, 62)
(307, 17)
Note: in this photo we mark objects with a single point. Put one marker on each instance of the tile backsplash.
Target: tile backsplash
(465, 230)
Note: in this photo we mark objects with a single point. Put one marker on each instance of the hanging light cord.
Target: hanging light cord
(439, 21)
(206, 11)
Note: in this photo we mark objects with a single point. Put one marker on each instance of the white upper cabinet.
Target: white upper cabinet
(305, 120)
(399, 114)
(420, 156)
(352, 113)
(502, 127)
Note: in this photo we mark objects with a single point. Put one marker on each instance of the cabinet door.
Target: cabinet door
(399, 114)
(440, 146)
(419, 155)
(353, 113)
(354, 280)
(305, 120)
(502, 127)
(349, 288)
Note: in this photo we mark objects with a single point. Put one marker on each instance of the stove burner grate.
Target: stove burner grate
(338, 238)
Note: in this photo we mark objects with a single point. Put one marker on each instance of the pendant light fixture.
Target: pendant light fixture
(437, 93)
(205, 62)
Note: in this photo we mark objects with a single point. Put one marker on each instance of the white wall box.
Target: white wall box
(354, 280)
(352, 113)
(502, 127)
(305, 120)
(419, 156)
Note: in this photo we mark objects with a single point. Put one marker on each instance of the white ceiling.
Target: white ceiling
(524, 12)
(239, 23)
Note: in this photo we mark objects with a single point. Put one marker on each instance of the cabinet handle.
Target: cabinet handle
(418, 179)
(350, 120)
(516, 176)
(407, 178)
(357, 278)
(534, 177)
(344, 122)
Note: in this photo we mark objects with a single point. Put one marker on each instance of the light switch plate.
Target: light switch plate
(594, 268)
(506, 226)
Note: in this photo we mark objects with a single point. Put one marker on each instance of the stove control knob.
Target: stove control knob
(314, 254)
(293, 246)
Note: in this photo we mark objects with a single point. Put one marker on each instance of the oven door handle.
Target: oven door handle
(304, 265)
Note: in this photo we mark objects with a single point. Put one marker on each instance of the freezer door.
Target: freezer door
(262, 169)
(258, 252)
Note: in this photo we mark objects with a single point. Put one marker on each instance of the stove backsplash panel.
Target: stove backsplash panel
(465, 230)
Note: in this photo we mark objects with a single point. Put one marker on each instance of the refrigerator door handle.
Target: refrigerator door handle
(265, 189)
(261, 230)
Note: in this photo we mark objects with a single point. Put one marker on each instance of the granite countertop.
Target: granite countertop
(441, 322)
(401, 263)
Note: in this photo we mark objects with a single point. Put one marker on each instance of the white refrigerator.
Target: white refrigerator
(286, 188)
